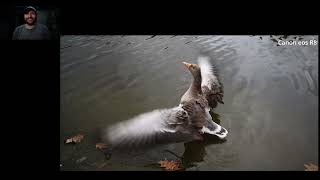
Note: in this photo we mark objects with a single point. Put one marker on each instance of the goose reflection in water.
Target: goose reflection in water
(195, 151)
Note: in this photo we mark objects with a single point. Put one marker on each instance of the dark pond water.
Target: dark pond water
(270, 110)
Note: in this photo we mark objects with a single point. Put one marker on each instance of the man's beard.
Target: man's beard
(32, 23)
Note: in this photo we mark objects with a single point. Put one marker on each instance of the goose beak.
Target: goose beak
(188, 65)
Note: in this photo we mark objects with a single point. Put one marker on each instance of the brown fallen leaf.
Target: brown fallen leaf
(311, 167)
(75, 139)
(170, 165)
(101, 146)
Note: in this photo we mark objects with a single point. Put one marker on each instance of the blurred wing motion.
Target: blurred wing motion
(155, 127)
(210, 85)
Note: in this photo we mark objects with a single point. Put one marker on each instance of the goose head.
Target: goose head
(194, 69)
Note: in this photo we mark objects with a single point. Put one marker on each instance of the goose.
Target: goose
(185, 122)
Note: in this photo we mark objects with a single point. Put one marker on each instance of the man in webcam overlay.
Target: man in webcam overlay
(31, 30)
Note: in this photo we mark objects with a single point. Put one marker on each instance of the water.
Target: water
(270, 110)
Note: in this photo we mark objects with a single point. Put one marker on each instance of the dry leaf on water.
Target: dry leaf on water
(75, 139)
(311, 167)
(101, 146)
(170, 165)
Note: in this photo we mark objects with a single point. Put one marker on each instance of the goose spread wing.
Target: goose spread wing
(211, 86)
(155, 127)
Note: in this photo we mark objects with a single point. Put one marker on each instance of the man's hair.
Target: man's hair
(29, 8)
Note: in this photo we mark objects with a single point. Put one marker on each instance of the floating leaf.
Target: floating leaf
(311, 167)
(75, 139)
(101, 146)
(170, 165)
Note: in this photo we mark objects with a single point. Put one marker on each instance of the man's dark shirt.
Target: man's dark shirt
(39, 32)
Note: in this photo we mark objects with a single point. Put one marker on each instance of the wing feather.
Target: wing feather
(153, 127)
(211, 85)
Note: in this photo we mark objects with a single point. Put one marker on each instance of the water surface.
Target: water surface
(270, 110)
